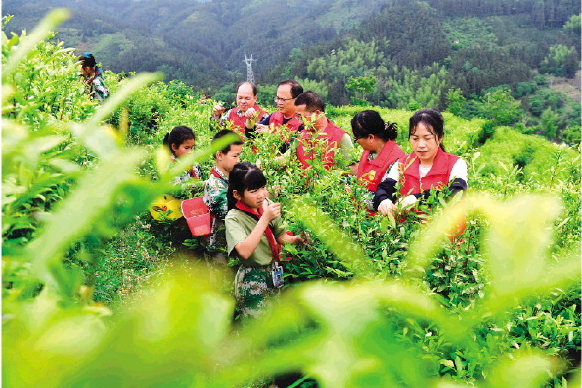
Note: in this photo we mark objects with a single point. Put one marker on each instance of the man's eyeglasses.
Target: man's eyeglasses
(277, 99)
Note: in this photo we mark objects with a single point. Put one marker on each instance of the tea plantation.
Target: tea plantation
(98, 293)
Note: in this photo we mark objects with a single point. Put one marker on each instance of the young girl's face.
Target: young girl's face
(253, 198)
(183, 149)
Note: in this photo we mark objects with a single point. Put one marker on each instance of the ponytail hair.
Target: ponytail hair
(244, 176)
(369, 122)
(432, 119)
(87, 59)
(177, 136)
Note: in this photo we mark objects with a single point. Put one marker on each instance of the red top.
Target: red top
(331, 137)
(238, 119)
(371, 172)
(437, 177)
(277, 119)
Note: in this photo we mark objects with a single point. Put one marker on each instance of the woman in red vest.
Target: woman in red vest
(427, 167)
(380, 150)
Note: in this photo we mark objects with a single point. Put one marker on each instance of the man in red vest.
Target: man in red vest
(320, 137)
(245, 115)
(287, 92)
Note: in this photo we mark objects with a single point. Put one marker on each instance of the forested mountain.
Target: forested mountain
(475, 58)
(200, 42)
(478, 43)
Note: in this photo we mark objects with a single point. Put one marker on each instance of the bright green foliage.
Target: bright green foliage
(500, 107)
(396, 304)
(455, 102)
(561, 60)
(317, 87)
(423, 88)
(548, 123)
(361, 86)
(354, 58)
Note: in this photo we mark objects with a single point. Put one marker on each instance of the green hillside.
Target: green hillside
(448, 54)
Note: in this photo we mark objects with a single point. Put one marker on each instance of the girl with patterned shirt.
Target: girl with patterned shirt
(215, 193)
(93, 77)
(180, 141)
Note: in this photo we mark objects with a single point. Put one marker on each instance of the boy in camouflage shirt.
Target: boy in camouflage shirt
(215, 191)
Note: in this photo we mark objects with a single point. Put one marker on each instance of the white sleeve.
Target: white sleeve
(392, 172)
(459, 170)
(346, 146)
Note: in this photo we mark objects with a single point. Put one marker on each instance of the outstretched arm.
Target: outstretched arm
(386, 190)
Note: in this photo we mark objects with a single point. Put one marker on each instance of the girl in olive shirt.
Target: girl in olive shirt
(254, 234)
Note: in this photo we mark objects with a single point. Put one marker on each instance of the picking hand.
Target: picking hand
(407, 202)
(261, 128)
(251, 113)
(303, 239)
(275, 190)
(386, 207)
(271, 210)
(218, 110)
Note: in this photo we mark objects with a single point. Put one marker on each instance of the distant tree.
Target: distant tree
(317, 87)
(479, 68)
(571, 135)
(549, 123)
(500, 107)
(414, 30)
(572, 28)
(407, 86)
(455, 102)
(360, 87)
(352, 59)
(524, 88)
(265, 94)
(561, 60)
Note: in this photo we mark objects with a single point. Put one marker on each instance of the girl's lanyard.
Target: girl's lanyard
(273, 244)
(217, 174)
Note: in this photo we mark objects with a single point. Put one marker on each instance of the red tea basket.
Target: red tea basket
(197, 215)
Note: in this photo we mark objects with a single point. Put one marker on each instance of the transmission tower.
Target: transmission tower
(249, 63)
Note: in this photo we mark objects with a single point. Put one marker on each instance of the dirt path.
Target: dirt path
(570, 87)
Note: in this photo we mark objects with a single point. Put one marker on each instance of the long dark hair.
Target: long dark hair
(433, 119)
(369, 122)
(178, 135)
(244, 176)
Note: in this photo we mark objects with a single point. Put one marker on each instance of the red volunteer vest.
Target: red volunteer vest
(277, 120)
(331, 136)
(371, 172)
(437, 177)
(238, 120)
